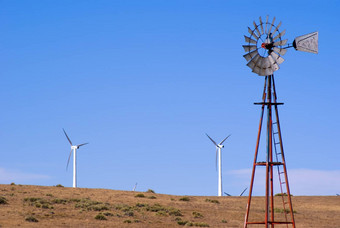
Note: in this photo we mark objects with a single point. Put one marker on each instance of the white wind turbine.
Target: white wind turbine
(74, 150)
(219, 155)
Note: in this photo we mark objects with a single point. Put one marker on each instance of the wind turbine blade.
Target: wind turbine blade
(243, 191)
(227, 194)
(224, 139)
(249, 40)
(67, 137)
(211, 140)
(68, 161)
(82, 144)
(216, 159)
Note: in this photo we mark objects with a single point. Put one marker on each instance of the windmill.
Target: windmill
(265, 48)
(219, 155)
(227, 194)
(74, 150)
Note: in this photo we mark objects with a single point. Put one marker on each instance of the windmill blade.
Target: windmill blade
(250, 55)
(257, 29)
(280, 43)
(67, 137)
(274, 65)
(243, 191)
(248, 48)
(271, 25)
(280, 35)
(277, 27)
(82, 144)
(68, 161)
(227, 194)
(250, 40)
(280, 51)
(262, 31)
(212, 140)
(252, 33)
(224, 139)
(253, 61)
(265, 29)
(266, 67)
(278, 59)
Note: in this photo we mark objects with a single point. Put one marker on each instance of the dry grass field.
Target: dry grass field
(40, 206)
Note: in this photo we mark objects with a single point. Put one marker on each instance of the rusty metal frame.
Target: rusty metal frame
(269, 99)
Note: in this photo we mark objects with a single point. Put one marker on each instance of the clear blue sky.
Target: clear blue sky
(143, 81)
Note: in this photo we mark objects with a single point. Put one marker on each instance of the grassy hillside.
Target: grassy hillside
(40, 206)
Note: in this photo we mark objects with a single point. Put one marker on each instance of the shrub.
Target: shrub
(108, 214)
(197, 214)
(48, 194)
(150, 191)
(152, 197)
(212, 201)
(140, 195)
(224, 221)
(182, 223)
(281, 194)
(174, 212)
(129, 213)
(201, 224)
(100, 216)
(59, 185)
(31, 219)
(161, 213)
(127, 221)
(59, 201)
(184, 198)
(3, 200)
(12, 183)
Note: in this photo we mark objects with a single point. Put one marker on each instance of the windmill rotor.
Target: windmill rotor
(264, 47)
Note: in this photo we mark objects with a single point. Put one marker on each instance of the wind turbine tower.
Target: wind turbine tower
(219, 158)
(74, 150)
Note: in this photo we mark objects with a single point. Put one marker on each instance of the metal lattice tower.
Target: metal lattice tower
(264, 55)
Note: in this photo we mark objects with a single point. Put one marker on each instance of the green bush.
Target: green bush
(184, 198)
(59, 201)
(224, 221)
(108, 214)
(127, 221)
(150, 191)
(59, 185)
(100, 216)
(3, 200)
(212, 201)
(197, 214)
(31, 219)
(12, 183)
(140, 195)
(152, 197)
